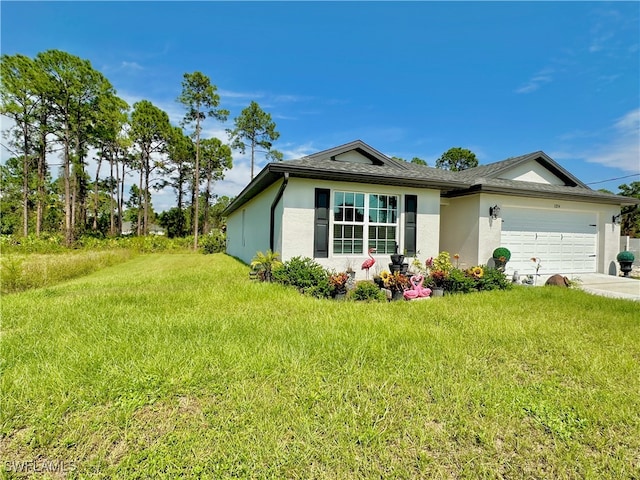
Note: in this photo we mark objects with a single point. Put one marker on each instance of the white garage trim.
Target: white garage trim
(564, 241)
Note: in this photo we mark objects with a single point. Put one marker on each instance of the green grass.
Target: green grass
(23, 272)
(179, 365)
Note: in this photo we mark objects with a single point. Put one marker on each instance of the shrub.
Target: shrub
(214, 242)
(368, 292)
(443, 262)
(502, 252)
(265, 263)
(625, 256)
(459, 282)
(494, 279)
(305, 274)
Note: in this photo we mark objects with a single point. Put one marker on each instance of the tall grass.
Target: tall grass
(22, 272)
(179, 365)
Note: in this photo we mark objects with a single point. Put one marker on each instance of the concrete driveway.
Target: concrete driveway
(605, 285)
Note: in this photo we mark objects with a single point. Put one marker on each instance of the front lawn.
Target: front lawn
(179, 365)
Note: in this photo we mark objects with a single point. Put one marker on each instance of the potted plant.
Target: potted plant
(396, 282)
(625, 259)
(501, 256)
(338, 284)
(436, 281)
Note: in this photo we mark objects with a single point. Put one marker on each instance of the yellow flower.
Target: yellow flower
(477, 272)
(385, 275)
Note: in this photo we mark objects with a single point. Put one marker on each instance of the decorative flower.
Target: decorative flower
(428, 262)
(385, 276)
(476, 272)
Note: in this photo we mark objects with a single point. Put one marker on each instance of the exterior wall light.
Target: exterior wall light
(494, 212)
(617, 219)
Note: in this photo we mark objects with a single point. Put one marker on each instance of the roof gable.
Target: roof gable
(356, 152)
(536, 167)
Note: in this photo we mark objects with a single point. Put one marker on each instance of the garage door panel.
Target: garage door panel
(566, 242)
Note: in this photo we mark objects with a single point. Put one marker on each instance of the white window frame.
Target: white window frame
(365, 224)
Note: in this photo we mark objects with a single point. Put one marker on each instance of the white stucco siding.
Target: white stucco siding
(248, 228)
(299, 213)
(459, 222)
(532, 171)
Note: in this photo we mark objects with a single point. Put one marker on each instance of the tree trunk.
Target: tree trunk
(42, 173)
(121, 197)
(139, 230)
(145, 193)
(207, 196)
(112, 220)
(96, 197)
(68, 234)
(25, 181)
(197, 185)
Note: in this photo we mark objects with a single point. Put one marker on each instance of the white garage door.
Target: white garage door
(565, 242)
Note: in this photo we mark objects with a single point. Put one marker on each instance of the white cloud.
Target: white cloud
(623, 149)
(541, 78)
(131, 65)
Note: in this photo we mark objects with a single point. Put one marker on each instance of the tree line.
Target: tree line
(61, 107)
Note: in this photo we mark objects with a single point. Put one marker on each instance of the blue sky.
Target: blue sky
(410, 79)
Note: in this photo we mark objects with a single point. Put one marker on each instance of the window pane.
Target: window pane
(348, 215)
(360, 215)
(348, 197)
(348, 231)
(338, 199)
(357, 246)
(360, 200)
(358, 231)
(339, 214)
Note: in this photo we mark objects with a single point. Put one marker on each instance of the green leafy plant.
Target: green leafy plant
(214, 242)
(305, 274)
(494, 279)
(502, 252)
(625, 256)
(458, 282)
(443, 262)
(368, 292)
(264, 263)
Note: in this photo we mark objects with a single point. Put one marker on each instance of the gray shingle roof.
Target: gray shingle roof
(387, 171)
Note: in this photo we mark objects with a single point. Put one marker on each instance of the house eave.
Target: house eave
(272, 172)
(577, 196)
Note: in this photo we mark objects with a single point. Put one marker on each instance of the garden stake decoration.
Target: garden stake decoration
(537, 262)
(368, 263)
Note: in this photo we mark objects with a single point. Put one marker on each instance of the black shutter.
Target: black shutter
(321, 228)
(410, 217)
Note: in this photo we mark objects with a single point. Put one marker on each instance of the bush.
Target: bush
(214, 242)
(459, 282)
(305, 274)
(368, 292)
(494, 279)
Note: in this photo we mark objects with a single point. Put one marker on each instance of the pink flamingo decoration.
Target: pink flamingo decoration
(417, 290)
(368, 263)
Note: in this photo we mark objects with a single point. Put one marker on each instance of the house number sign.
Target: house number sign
(557, 205)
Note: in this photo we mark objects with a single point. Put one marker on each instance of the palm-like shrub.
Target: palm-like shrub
(264, 263)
